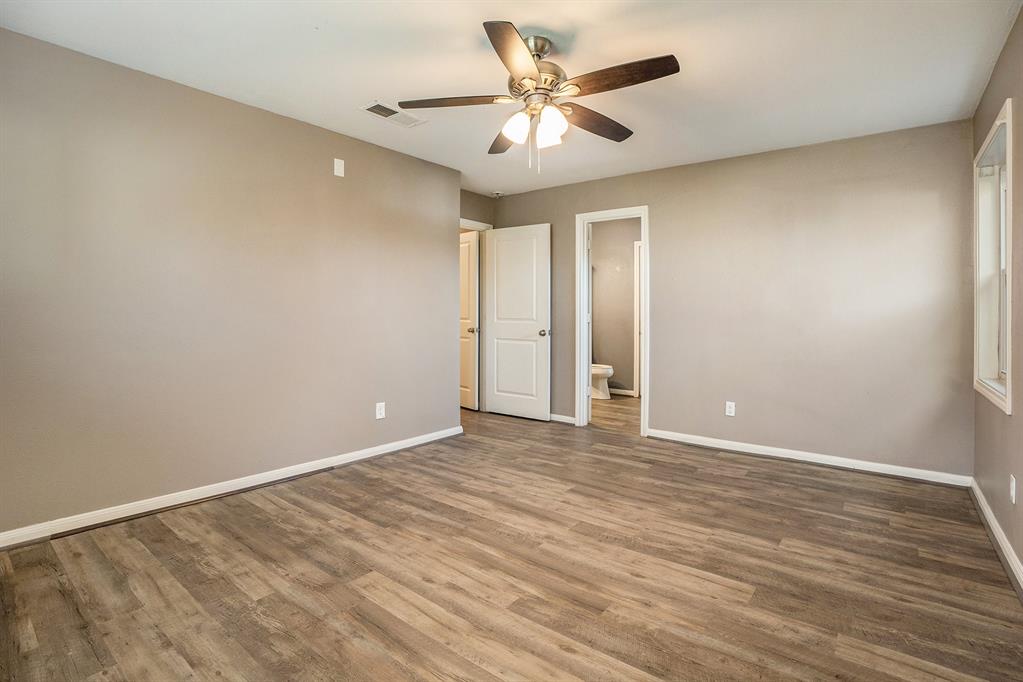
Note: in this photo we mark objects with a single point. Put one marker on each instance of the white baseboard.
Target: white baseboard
(622, 391)
(802, 456)
(41, 531)
(1009, 556)
(563, 419)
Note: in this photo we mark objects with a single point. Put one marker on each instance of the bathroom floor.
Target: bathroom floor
(621, 414)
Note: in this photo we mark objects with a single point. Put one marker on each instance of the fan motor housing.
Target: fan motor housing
(551, 76)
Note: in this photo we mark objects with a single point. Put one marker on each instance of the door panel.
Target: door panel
(518, 286)
(516, 363)
(468, 323)
(515, 268)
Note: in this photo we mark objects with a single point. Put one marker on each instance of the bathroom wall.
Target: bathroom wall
(611, 260)
(826, 289)
(189, 295)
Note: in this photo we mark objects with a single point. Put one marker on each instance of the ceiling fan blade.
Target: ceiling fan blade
(500, 145)
(512, 50)
(624, 75)
(596, 123)
(451, 101)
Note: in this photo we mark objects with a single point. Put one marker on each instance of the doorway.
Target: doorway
(612, 321)
(468, 319)
(505, 319)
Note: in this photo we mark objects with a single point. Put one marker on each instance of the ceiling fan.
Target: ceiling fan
(539, 84)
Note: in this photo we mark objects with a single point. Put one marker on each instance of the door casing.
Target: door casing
(469, 316)
(583, 316)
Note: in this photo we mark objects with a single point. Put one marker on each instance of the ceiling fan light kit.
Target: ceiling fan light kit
(546, 137)
(537, 84)
(517, 127)
(553, 120)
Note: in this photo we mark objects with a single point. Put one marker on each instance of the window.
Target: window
(992, 199)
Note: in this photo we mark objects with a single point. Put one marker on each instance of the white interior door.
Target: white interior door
(468, 323)
(518, 321)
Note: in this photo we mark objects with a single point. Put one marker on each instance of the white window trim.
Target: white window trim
(999, 393)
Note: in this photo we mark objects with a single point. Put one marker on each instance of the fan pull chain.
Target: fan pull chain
(536, 143)
(529, 143)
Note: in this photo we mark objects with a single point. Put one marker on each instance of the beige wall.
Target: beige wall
(189, 295)
(999, 438)
(477, 207)
(611, 258)
(825, 289)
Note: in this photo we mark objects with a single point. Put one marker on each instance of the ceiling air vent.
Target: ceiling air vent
(393, 115)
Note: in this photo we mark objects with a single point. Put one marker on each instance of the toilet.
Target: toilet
(598, 380)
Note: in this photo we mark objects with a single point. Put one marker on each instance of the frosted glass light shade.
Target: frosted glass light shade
(517, 127)
(553, 120)
(546, 137)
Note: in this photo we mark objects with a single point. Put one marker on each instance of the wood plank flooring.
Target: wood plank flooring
(534, 551)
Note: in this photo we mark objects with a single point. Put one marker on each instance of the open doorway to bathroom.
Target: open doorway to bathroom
(611, 329)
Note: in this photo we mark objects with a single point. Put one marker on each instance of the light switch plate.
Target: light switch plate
(339, 167)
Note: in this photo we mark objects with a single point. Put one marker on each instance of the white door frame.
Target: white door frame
(583, 321)
(637, 318)
(473, 239)
(466, 224)
(476, 226)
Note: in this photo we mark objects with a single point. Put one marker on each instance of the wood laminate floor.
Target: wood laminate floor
(531, 551)
(618, 415)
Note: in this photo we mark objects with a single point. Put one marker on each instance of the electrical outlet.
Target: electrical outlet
(381, 410)
(1012, 488)
(729, 408)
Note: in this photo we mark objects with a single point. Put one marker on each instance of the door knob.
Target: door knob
(543, 332)
(471, 330)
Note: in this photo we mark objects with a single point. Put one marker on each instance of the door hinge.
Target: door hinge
(589, 391)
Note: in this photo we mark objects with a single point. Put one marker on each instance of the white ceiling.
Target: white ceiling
(755, 75)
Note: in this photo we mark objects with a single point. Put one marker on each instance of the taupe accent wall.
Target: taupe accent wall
(189, 295)
(999, 438)
(612, 252)
(825, 289)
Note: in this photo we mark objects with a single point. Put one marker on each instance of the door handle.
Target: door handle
(471, 330)
(543, 332)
